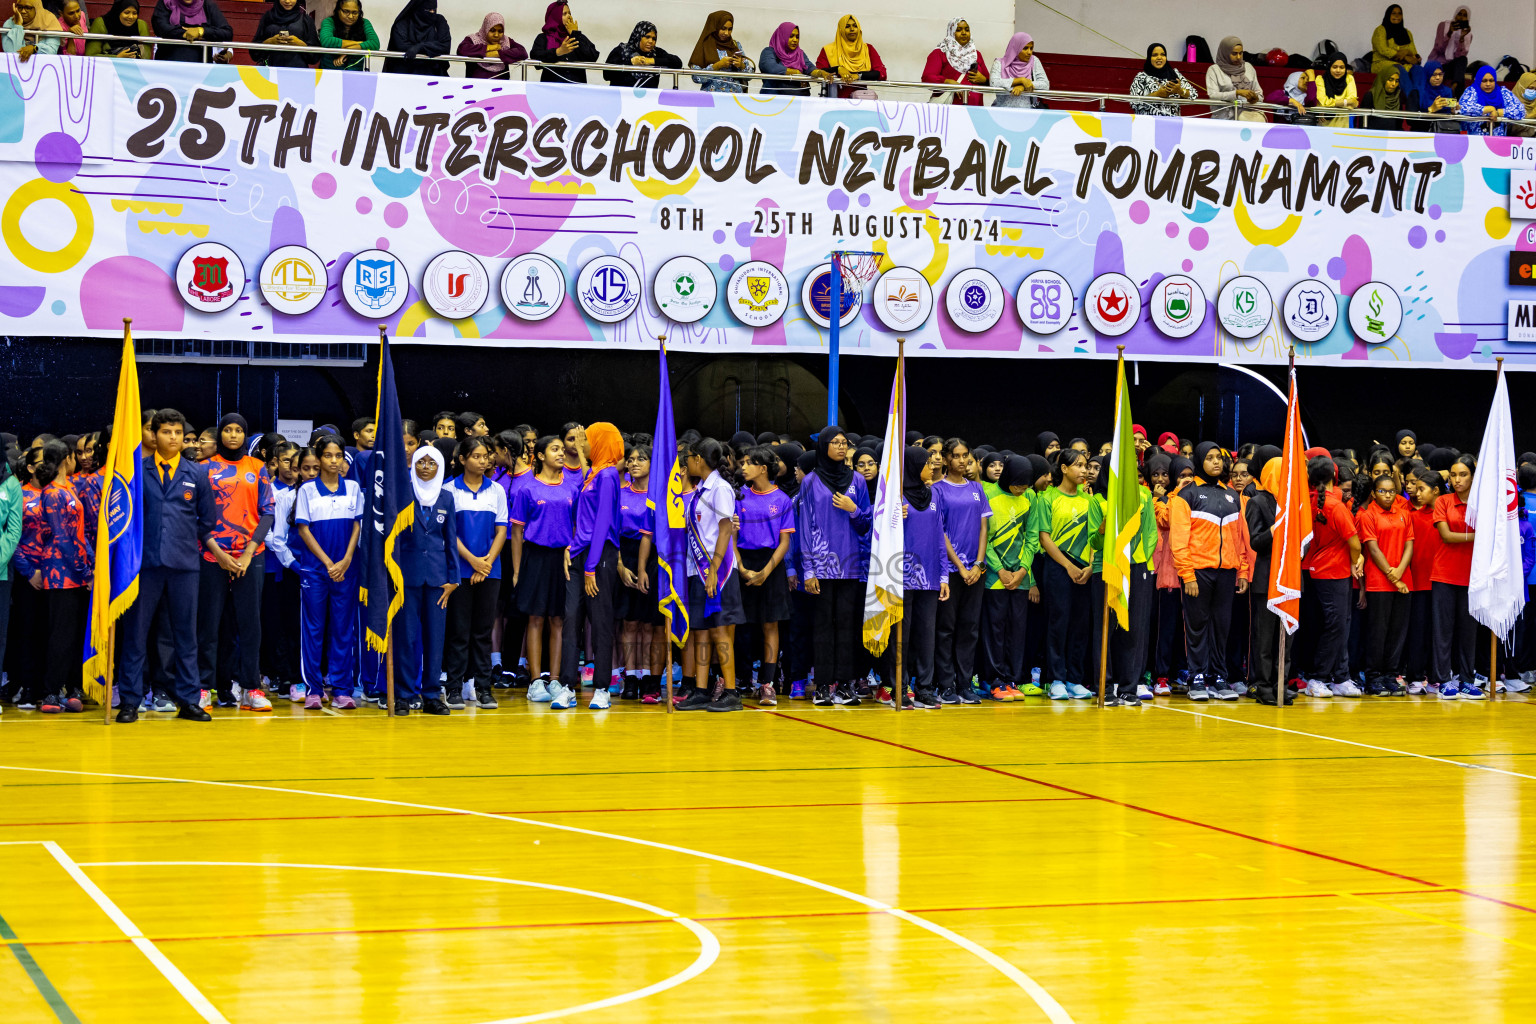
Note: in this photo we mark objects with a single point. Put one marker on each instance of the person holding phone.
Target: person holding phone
(123, 23)
(286, 23)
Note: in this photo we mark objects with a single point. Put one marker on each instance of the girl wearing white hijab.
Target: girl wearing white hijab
(1233, 79)
(429, 569)
(956, 59)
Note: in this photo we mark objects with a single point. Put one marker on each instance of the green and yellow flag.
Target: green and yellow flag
(1122, 520)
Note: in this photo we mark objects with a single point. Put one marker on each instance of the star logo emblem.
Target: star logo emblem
(684, 285)
(1112, 305)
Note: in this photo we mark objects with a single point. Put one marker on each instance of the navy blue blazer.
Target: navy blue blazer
(178, 517)
(428, 552)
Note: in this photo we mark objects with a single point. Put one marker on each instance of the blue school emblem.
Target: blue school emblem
(374, 283)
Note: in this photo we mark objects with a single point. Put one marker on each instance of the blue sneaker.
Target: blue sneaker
(1034, 675)
(163, 704)
(1448, 691)
(564, 700)
(1059, 691)
(967, 695)
(1473, 692)
(1077, 692)
(797, 690)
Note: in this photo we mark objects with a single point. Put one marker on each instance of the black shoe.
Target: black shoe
(226, 699)
(631, 689)
(127, 715)
(484, 699)
(402, 708)
(1125, 700)
(193, 713)
(926, 700)
(434, 706)
(728, 700)
(823, 698)
(967, 695)
(501, 678)
(697, 700)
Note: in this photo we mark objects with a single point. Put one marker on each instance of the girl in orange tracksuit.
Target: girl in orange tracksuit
(1164, 473)
(1209, 537)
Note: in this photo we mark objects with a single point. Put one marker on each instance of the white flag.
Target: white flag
(1496, 595)
(887, 550)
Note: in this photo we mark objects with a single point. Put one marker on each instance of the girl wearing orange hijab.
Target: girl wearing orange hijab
(594, 570)
(849, 59)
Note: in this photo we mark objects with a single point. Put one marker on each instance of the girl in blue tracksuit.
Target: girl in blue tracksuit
(429, 570)
(480, 513)
(327, 518)
(280, 592)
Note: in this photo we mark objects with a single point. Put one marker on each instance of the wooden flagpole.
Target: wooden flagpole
(1281, 688)
(899, 691)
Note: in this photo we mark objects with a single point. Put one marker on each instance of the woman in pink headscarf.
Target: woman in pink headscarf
(492, 41)
(562, 42)
(1021, 72)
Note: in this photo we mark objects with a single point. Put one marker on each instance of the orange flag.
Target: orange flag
(1292, 531)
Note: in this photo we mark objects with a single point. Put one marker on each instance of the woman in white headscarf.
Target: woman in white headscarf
(955, 59)
(429, 568)
(1233, 79)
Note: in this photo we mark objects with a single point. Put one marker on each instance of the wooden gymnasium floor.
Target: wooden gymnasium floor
(1369, 860)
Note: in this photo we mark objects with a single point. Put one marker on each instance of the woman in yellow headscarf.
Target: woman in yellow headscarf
(848, 59)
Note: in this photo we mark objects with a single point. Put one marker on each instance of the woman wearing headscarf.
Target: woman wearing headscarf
(1525, 92)
(1487, 99)
(1020, 72)
(123, 23)
(419, 31)
(849, 59)
(718, 50)
(491, 41)
(1011, 549)
(347, 29)
(1047, 442)
(1231, 78)
(594, 566)
(1392, 43)
(642, 53)
(562, 41)
(833, 514)
(1159, 80)
(925, 572)
(1388, 97)
(29, 15)
(72, 18)
(286, 23)
(428, 553)
(784, 56)
(192, 20)
(1335, 88)
(1453, 41)
(955, 59)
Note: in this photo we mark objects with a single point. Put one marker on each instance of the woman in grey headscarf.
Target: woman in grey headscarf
(1233, 79)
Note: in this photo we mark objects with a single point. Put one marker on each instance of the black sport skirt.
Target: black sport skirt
(541, 585)
(769, 600)
(730, 604)
(630, 605)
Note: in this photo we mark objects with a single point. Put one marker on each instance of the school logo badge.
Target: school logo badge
(1522, 321)
(1244, 307)
(685, 289)
(1045, 302)
(816, 297)
(532, 287)
(903, 299)
(1375, 313)
(210, 277)
(292, 279)
(608, 289)
(375, 284)
(1178, 306)
(455, 285)
(1112, 304)
(974, 300)
(757, 294)
(1311, 310)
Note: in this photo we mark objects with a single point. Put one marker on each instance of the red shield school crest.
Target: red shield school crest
(210, 279)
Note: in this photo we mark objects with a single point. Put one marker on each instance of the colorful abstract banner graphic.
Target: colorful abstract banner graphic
(288, 205)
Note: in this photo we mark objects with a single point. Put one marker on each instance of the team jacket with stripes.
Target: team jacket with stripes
(1207, 530)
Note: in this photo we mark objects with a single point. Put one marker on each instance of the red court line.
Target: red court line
(587, 810)
(1148, 810)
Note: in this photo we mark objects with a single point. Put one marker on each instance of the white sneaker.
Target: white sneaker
(563, 699)
(204, 699)
(1528, 677)
(1143, 691)
(467, 691)
(255, 700)
(601, 700)
(1418, 687)
(1519, 685)
(538, 692)
(1317, 688)
(1346, 689)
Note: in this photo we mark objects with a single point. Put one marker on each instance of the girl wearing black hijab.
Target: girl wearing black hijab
(1407, 444)
(1159, 80)
(925, 576)
(642, 54)
(286, 23)
(833, 515)
(1046, 443)
(1010, 585)
(419, 31)
(234, 565)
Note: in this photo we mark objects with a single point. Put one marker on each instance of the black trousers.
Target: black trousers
(1454, 631)
(1068, 622)
(920, 609)
(214, 587)
(1128, 648)
(1238, 633)
(280, 627)
(1007, 622)
(467, 652)
(838, 612)
(176, 593)
(1171, 656)
(1418, 657)
(957, 629)
(1264, 651)
(29, 621)
(1386, 634)
(598, 611)
(796, 638)
(67, 609)
(1330, 658)
(5, 616)
(1524, 659)
(1206, 621)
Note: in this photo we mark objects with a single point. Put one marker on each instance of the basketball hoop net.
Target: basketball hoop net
(861, 268)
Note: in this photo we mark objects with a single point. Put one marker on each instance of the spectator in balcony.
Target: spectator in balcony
(1486, 98)
(123, 22)
(1159, 80)
(848, 58)
(956, 60)
(1453, 39)
(1233, 79)
(419, 31)
(1525, 92)
(491, 41)
(1020, 72)
(1437, 97)
(717, 50)
(1335, 87)
(28, 14)
(191, 20)
(1387, 95)
(73, 19)
(286, 24)
(347, 29)
(784, 56)
(1392, 43)
(640, 52)
(563, 42)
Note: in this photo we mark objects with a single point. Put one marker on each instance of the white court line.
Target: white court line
(709, 945)
(1352, 743)
(1047, 1003)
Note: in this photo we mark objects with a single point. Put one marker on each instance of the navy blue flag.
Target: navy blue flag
(391, 507)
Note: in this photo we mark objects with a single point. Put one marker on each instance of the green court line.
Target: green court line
(24, 957)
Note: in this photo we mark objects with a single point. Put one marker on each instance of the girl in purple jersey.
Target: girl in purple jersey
(642, 643)
(541, 559)
(833, 515)
(767, 518)
(925, 576)
(964, 509)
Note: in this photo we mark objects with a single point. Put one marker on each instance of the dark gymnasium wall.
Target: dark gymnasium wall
(66, 385)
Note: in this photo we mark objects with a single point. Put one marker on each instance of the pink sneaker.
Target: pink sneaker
(296, 692)
(312, 702)
(344, 702)
(651, 698)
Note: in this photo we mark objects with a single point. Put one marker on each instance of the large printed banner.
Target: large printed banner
(236, 203)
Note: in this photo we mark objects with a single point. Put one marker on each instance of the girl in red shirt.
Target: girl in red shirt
(1424, 486)
(1332, 560)
(1386, 531)
(1454, 628)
